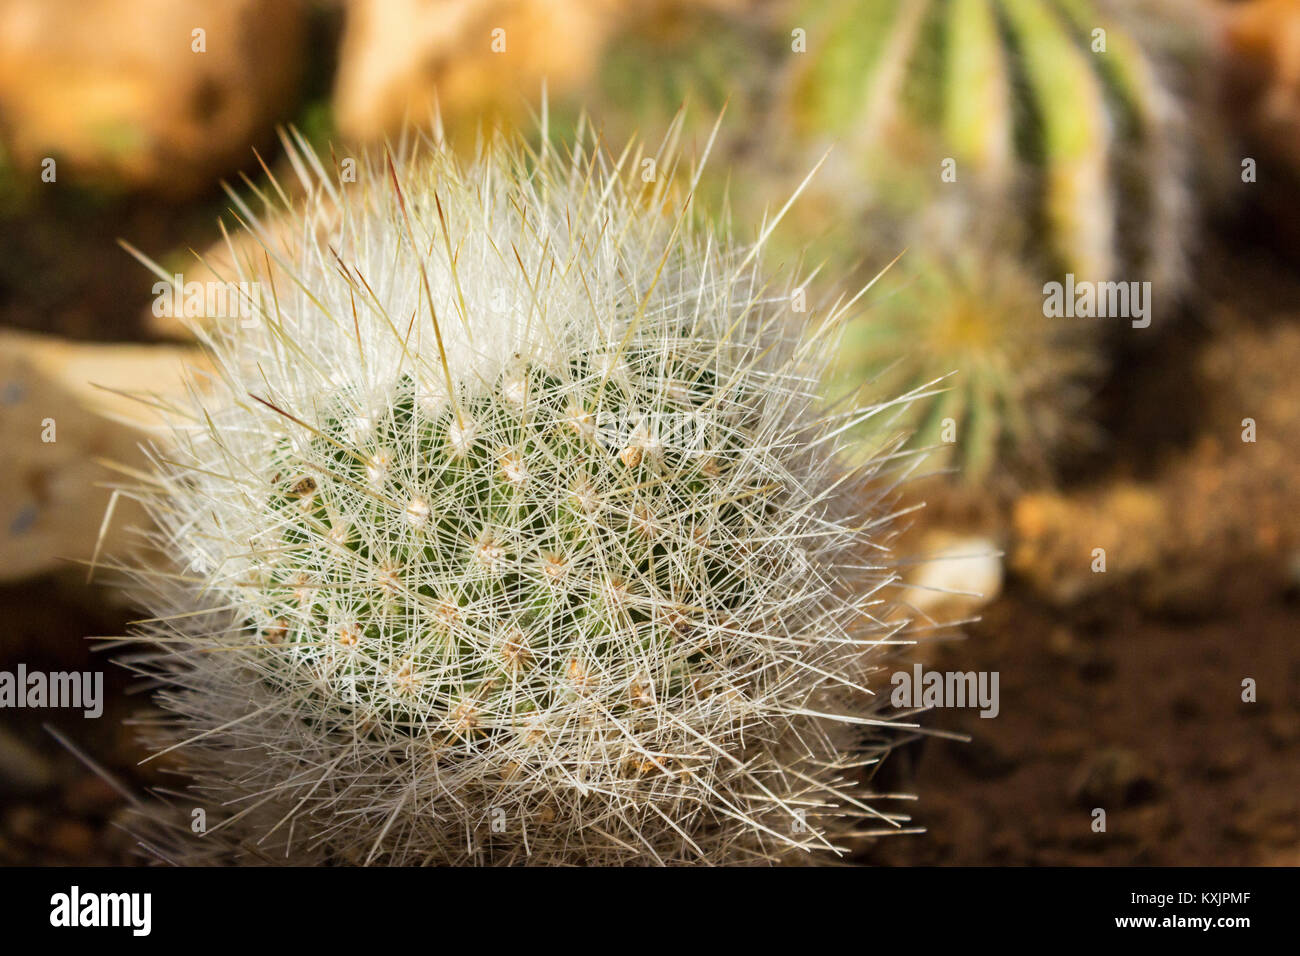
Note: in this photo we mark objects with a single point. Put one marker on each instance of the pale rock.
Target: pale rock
(1056, 539)
(1263, 42)
(952, 576)
(115, 91)
(55, 495)
(399, 55)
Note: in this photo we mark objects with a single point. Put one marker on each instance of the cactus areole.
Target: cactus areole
(514, 530)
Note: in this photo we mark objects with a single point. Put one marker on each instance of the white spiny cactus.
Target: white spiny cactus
(514, 531)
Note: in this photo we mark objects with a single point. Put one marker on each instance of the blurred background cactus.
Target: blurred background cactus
(716, 65)
(1007, 142)
(1010, 386)
(1053, 115)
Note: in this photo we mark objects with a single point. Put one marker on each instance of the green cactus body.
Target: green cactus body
(977, 95)
(523, 541)
(1070, 110)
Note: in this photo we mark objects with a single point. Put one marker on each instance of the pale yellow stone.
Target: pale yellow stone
(115, 90)
(54, 499)
(955, 577)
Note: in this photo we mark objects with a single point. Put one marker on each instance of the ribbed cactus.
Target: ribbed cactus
(513, 532)
(1010, 384)
(1054, 111)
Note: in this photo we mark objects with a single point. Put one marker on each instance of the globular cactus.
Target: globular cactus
(1010, 386)
(513, 531)
(1069, 115)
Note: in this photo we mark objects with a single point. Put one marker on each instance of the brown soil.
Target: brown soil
(1140, 716)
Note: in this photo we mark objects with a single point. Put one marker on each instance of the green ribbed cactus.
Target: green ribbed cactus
(1009, 384)
(1056, 114)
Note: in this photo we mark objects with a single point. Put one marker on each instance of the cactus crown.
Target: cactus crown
(513, 531)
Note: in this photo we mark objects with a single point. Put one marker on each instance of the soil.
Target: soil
(1140, 716)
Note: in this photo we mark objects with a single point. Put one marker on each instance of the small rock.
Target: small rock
(1054, 537)
(957, 576)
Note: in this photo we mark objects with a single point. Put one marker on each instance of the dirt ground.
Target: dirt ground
(1138, 715)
